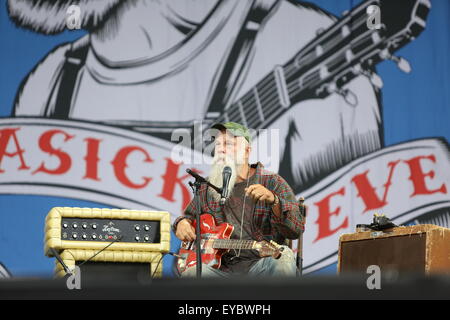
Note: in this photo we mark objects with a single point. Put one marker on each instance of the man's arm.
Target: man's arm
(188, 215)
(182, 226)
(286, 217)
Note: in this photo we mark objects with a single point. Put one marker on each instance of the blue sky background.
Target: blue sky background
(415, 106)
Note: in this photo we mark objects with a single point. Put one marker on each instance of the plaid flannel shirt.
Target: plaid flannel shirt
(266, 224)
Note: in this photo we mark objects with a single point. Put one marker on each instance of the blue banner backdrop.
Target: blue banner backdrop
(409, 106)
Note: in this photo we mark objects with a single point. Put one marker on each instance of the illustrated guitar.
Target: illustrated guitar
(345, 50)
(325, 66)
(215, 241)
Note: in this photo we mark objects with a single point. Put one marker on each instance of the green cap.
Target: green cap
(236, 129)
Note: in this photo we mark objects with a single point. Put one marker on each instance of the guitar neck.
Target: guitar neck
(299, 78)
(233, 244)
(336, 56)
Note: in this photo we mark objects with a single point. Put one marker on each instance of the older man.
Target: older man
(261, 206)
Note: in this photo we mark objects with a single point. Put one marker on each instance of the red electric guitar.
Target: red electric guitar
(215, 241)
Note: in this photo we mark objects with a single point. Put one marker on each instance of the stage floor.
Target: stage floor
(312, 287)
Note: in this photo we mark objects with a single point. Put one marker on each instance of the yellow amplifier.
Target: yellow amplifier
(133, 236)
(93, 229)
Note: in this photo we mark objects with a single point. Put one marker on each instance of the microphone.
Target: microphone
(226, 175)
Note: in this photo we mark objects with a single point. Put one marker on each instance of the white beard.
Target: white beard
(215, 175)
(49, 17)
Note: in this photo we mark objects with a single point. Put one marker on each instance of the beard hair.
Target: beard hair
(49, 17)
(215, 175)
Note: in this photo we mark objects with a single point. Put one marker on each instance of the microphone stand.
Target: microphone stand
(299, 261)
(196, 188)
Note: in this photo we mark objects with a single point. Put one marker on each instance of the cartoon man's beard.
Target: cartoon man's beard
(216, 178)
(49, 16)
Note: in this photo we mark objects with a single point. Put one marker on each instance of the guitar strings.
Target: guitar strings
(289, 70)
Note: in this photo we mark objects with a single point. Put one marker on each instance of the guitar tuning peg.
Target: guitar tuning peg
(376, 80)
(348, 96)
(402, 64)
(373, 77)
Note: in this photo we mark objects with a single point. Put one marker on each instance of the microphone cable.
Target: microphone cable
(96, 254)
(160, 259)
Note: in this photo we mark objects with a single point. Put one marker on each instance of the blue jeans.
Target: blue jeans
(266, 267)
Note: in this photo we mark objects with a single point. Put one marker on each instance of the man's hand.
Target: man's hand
(185, 230)
(260, 193)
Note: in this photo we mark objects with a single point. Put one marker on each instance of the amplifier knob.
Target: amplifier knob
(65, 225)
(146, 238)
(84, 225)
(137, 238)
(94, 236)
(75, 225)
(146, 228)
(74, 236)
(137, 228)
(94, 226)
(84, 236)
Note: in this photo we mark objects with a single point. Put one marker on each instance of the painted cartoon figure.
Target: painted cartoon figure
(153, 66)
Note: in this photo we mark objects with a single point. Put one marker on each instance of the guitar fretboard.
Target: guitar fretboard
(232, 244)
